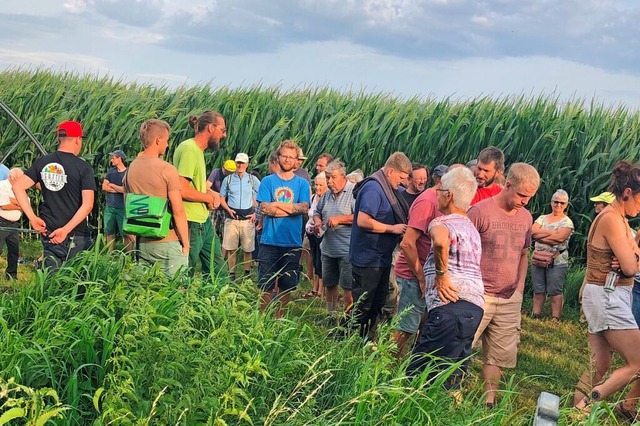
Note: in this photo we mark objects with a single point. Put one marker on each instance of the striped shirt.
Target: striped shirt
(335, 242)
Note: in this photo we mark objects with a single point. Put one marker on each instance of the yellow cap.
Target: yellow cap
(605, 197)
(229, 165)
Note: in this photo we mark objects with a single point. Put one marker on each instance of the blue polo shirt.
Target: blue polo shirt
(240, 192)
(369, 249)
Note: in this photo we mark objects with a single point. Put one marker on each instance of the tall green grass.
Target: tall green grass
(573, 145)
(121, 344)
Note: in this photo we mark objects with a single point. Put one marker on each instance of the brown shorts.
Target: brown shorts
(500, 330)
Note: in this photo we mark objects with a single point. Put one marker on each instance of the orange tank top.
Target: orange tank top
(599, 260)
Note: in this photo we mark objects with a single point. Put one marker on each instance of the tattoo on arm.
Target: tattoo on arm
(299, 208)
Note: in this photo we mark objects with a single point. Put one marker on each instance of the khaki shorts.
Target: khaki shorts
(500, 330)
(238, 233)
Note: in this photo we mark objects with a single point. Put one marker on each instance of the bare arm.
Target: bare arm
(13, 205)
(279, 209)
(117, 188)
(556, 237)
(410, 249)
(368, 223)
(440, 243)
(180, 219)
(334, 221)
(523, 266)
(537, 232)
(616, 233)
(189, 193)
(60, 234)
(20, 187)
(106, 186)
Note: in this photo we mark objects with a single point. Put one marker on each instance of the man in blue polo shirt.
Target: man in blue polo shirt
(379, 219)
(238, 198)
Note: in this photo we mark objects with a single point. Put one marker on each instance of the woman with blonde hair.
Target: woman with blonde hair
(550, 259)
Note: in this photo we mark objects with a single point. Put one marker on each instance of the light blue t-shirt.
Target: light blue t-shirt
(4, 172)
(240, 192)
(283, 231)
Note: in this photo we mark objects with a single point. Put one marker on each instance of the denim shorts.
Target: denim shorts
(278, 264)
(549, 281)
(336, 270)
(411, 305)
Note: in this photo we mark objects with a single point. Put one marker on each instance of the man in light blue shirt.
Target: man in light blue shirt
(238, 198)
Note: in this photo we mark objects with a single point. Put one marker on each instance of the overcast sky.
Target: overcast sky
(438, 48)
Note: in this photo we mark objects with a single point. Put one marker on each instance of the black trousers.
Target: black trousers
(12, 240)
(370, 289)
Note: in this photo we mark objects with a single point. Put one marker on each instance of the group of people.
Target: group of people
(449, 260)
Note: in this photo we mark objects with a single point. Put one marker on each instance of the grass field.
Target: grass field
(119, 344)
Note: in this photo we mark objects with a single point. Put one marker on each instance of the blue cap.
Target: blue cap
(119, 153)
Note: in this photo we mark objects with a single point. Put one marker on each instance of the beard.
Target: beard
(213, 144)
(284, 167)
(487, 182)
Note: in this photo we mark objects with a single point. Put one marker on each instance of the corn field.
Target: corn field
(573, 146)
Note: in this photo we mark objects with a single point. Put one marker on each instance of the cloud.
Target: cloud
(600, 33)
(10, 57)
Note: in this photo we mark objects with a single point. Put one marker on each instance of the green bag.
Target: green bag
(146, 215)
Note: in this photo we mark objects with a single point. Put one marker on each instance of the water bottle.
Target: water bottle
(612, 280)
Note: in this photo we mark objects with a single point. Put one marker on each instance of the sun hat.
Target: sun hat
(605, 197)
(301, 155)
(229, 165)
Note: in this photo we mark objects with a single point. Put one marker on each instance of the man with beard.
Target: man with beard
(490, 165)
(188, 158)
(114, 211)
(284, 198)
(417, 183)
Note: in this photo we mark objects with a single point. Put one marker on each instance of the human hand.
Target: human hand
(398, 229)
(252, 217)
(333, 222)
(38, 224)
(185, 250)
(447, 292)
(58, 236)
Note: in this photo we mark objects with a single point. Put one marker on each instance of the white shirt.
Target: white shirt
(5, 193)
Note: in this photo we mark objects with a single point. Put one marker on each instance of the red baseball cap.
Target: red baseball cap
(69, 129)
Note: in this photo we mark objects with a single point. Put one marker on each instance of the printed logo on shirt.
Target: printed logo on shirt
(284, 195)
(53, 177)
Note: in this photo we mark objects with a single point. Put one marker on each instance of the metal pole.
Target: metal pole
(24, 128)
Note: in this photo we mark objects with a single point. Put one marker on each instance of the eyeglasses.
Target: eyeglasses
(562, 203)
(240, 163)
(288, 157)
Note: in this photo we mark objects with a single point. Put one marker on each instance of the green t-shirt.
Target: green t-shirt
(189, 160)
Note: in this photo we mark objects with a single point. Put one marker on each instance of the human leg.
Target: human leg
(601, 357)
(411, 306)
(539, 281)
(211, 253)
(555, 288)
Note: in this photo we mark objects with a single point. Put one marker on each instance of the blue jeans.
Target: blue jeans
(635, 300)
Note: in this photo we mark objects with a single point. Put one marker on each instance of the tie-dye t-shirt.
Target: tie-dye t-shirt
(465, 251)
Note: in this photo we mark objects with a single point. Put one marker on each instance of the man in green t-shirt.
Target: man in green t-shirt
(198, 200)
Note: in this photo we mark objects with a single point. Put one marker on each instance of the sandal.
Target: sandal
(310, 294)
(629, 415)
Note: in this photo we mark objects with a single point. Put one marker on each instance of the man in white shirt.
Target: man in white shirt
(10, 214)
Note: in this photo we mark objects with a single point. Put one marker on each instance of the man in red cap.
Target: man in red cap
(68, 189)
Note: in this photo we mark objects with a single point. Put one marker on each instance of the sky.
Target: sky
(460, 49)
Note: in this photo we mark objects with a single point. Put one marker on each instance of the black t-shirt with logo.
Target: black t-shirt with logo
(62, 177)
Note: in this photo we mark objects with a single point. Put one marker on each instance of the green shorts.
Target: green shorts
(113, 221)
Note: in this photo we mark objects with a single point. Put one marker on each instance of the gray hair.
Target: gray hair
(321, 176)
(336, 166)
(462, 184)
(355, 176)
(561, 193)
